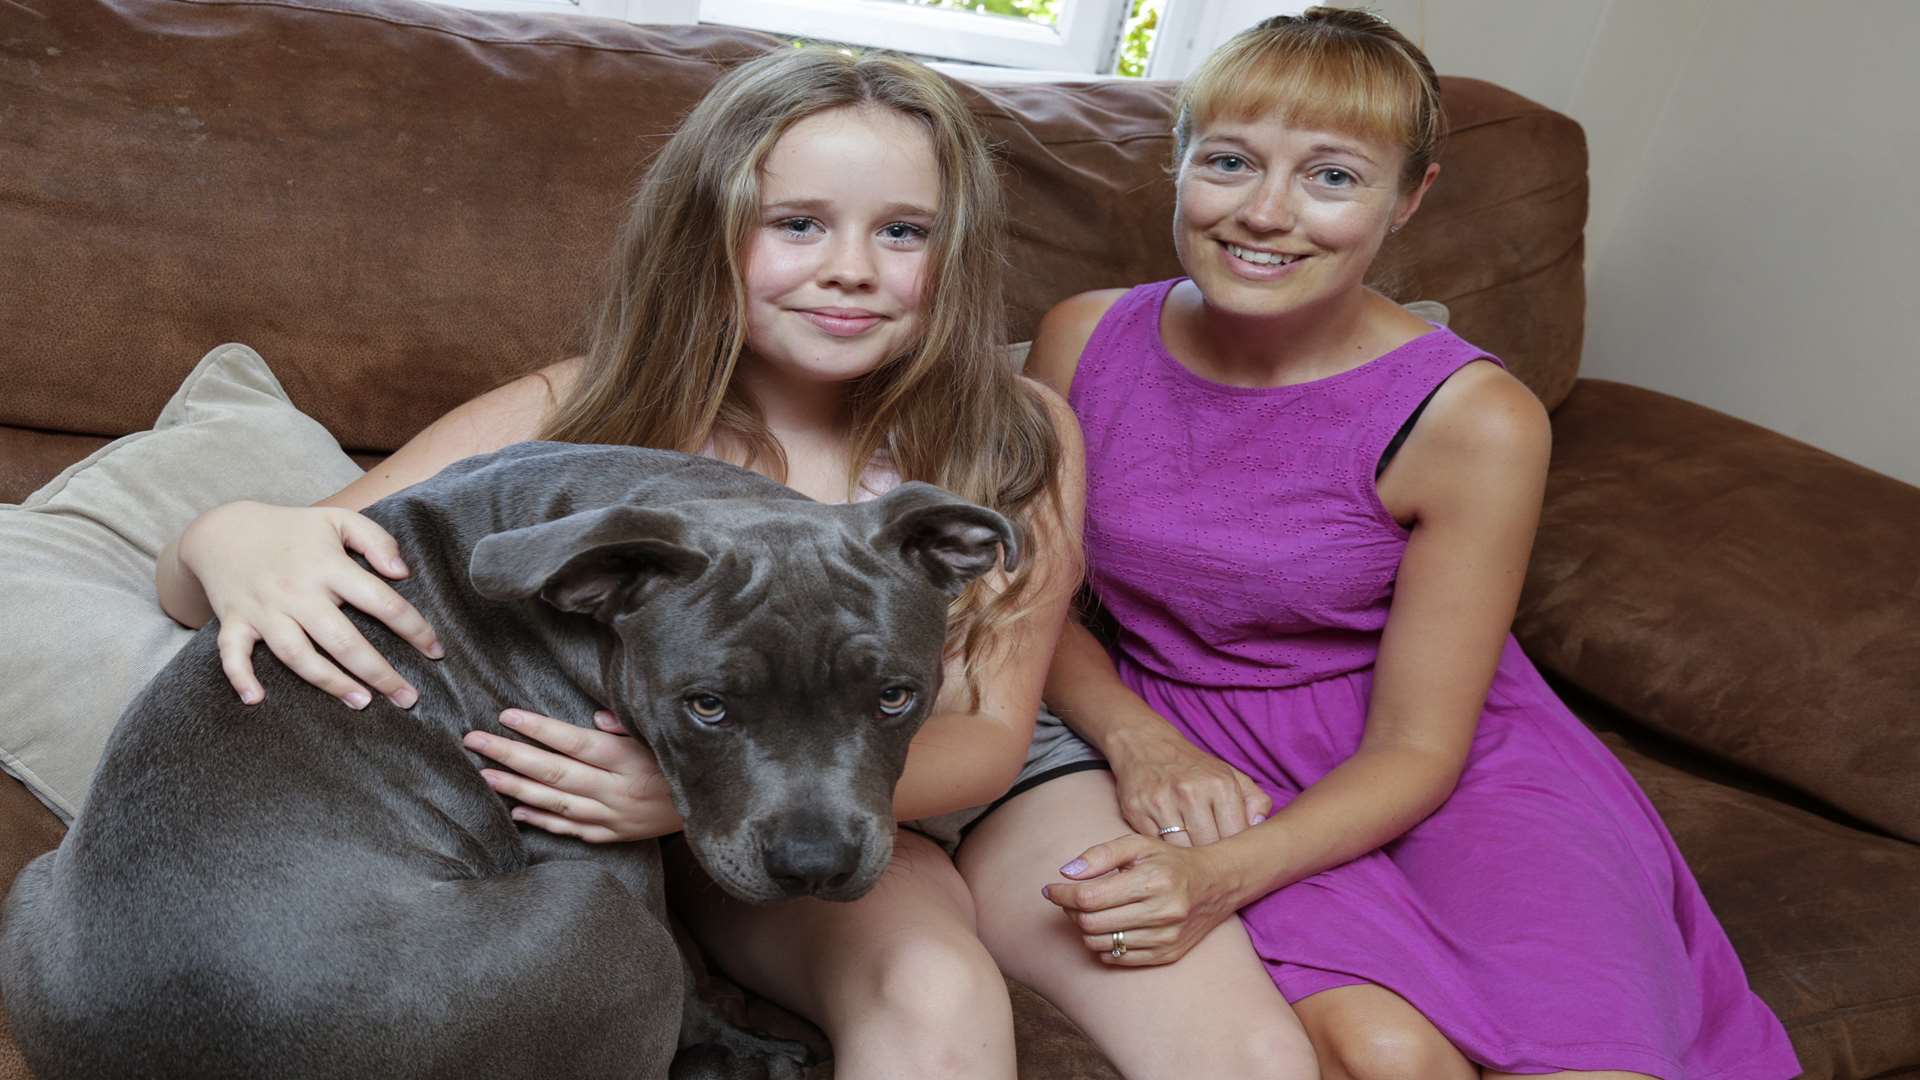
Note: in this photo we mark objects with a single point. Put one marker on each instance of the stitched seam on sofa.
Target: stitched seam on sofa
(1844, 1011)
(324, 10)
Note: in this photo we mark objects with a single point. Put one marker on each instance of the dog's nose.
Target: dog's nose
(808, 854)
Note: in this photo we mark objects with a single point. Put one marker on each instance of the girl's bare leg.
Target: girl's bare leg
(1214, 1013)
(897, 979)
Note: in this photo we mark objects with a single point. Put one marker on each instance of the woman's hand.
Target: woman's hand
(1162, 899)
(600, 786)
(279, 574)
(1165, 781)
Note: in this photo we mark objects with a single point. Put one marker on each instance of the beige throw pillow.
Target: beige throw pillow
(82, 628)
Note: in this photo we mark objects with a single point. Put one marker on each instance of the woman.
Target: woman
(1310, 514)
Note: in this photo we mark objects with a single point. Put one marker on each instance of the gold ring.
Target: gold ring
(1119, 945)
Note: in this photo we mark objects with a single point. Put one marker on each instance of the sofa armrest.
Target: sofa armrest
(1746, 594)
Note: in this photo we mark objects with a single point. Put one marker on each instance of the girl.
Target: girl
(1310, 514)
(808, 285)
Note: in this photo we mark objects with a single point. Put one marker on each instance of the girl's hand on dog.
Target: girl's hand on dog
(600, 786)
(240, 553)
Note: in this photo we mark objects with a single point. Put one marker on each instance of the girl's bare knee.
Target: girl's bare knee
(939, 999)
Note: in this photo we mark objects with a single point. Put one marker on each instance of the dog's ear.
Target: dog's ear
(598, 563)
(949, 539)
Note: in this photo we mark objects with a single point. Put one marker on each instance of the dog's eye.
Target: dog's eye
(707, 708)
(895, 700)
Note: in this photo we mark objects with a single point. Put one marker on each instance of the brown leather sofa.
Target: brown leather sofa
(401, 206)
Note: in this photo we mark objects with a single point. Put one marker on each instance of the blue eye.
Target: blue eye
(1334, 177)
(797, 226)
(1229, 163)
(900, 230)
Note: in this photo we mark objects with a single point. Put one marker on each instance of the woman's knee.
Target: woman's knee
(1392, 1051)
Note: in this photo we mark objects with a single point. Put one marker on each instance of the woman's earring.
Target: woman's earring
(1391, 229)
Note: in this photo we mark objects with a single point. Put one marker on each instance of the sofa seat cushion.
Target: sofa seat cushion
(1821, 914)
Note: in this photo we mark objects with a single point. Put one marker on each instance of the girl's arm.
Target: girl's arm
(1475, 468)
(280, 574)
(967, 757)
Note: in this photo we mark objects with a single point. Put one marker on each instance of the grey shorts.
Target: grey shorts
(1055, 751)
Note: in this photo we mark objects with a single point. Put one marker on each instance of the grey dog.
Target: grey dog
(302, 891)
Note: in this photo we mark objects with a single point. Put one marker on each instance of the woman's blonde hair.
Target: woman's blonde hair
(667, 340)
(1334, 69)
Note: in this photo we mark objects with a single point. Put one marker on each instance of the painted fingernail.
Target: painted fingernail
(1044, 891)
(1258, 818)
(404, 697)
(1074, 867)
(359, 699)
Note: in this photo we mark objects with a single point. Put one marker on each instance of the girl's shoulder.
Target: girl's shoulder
(1063, 335)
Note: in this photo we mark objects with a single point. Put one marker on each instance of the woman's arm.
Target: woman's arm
(1472, 475)
(279, 574)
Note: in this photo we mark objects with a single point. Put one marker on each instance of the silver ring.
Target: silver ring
(1119, 945)
(1169, 830)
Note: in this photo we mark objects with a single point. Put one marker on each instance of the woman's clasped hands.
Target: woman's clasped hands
(1148, 897)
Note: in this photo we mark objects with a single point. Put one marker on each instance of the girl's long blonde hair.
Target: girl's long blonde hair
(668, 336)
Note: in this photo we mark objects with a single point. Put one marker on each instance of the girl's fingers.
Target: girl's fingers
(289, 642)
(576, 808)
(597, 748)
(362, 534)
(379, 599)
(609, 723)
(536, 764)
(333, 632)
(540, 819)
(236, 659)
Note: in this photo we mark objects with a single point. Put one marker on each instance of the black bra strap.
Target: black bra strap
(1393, 447)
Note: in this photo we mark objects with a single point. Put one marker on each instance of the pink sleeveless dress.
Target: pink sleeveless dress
(1542, 918)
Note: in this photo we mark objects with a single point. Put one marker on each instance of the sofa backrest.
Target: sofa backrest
(401, 205)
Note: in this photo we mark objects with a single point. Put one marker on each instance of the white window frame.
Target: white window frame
(1084, 41)
(638, 11)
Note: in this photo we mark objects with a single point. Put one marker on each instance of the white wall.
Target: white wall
(1752, 241)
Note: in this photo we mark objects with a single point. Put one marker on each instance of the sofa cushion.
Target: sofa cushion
(1743, 593)
(405, 204)
(1821, 914)
(83, 628)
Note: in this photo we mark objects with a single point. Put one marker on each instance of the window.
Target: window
(640, 11)
(1060, 35)
(1056, 37)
